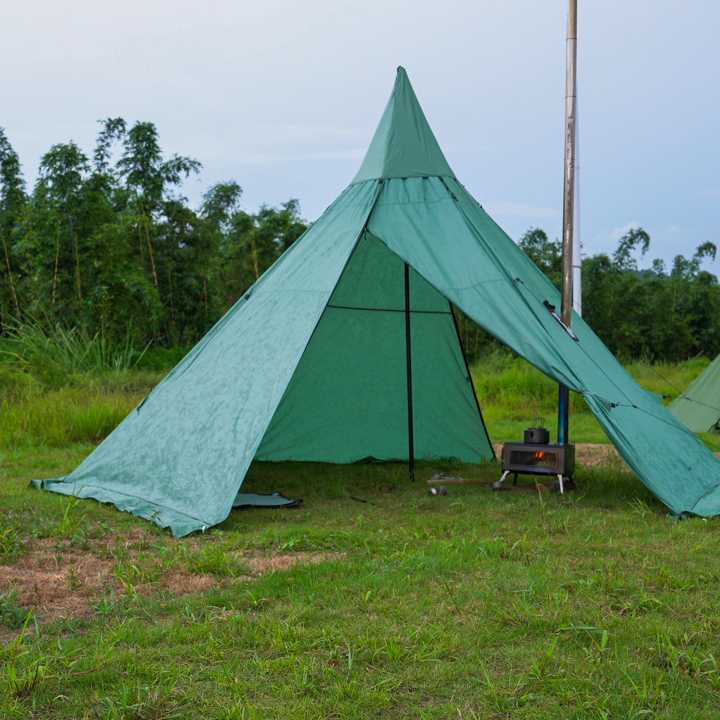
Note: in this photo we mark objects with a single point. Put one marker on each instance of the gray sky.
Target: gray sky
(284, 96)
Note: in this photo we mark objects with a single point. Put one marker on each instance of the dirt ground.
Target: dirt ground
(57, 582)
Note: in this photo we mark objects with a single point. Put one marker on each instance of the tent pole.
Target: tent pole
(408, 361)
(568, 203)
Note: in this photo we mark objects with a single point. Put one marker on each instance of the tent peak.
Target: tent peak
(403, 144)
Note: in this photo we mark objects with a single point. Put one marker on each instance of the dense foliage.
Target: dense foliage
(107, 245)
(656, 313)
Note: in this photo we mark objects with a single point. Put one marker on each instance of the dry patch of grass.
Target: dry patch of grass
(65, 584)
(57, 585)
(262, 563)
(57, 582)
(592, 455)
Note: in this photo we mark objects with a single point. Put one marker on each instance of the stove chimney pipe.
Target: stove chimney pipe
(568, 203)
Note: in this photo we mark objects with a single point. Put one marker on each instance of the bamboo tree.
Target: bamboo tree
(58, 202)
(56, 266)
(149, 177)
(12, 204)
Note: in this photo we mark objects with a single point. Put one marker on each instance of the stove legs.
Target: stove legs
(498, 484)
(563, 483)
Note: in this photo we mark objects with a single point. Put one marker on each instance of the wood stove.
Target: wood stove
(537, 456)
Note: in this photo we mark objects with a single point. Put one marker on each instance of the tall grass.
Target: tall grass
(666, 379)
(53, 353)
(509, 381)
(513, 395)
(59, 387)
(512, 383)
(64, 416)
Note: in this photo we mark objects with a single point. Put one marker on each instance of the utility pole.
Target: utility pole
(568, 203)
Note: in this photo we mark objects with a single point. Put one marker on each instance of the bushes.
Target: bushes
(161, 359)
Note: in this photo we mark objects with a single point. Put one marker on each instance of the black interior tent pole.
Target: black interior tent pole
(408, 362)
(568, 203)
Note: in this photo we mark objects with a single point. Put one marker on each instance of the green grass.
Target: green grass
(55, 353)
(470, 605)
(85, 410)
(514, 395)
(87, 405)
(473, 605)
(12, 615)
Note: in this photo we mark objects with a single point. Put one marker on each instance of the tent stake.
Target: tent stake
(568, 204)
(408, 360)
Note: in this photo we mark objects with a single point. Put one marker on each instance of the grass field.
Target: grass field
(373, 600)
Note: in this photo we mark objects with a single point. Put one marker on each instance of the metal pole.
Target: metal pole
(568, 202)
(577, 239)
(409, 375)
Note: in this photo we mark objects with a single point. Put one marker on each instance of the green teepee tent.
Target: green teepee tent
(699, 406)
(346, 349)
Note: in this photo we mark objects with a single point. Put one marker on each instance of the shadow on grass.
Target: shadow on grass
(388, 485)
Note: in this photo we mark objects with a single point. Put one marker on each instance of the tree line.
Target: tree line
(107, 242)
(657, 313)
